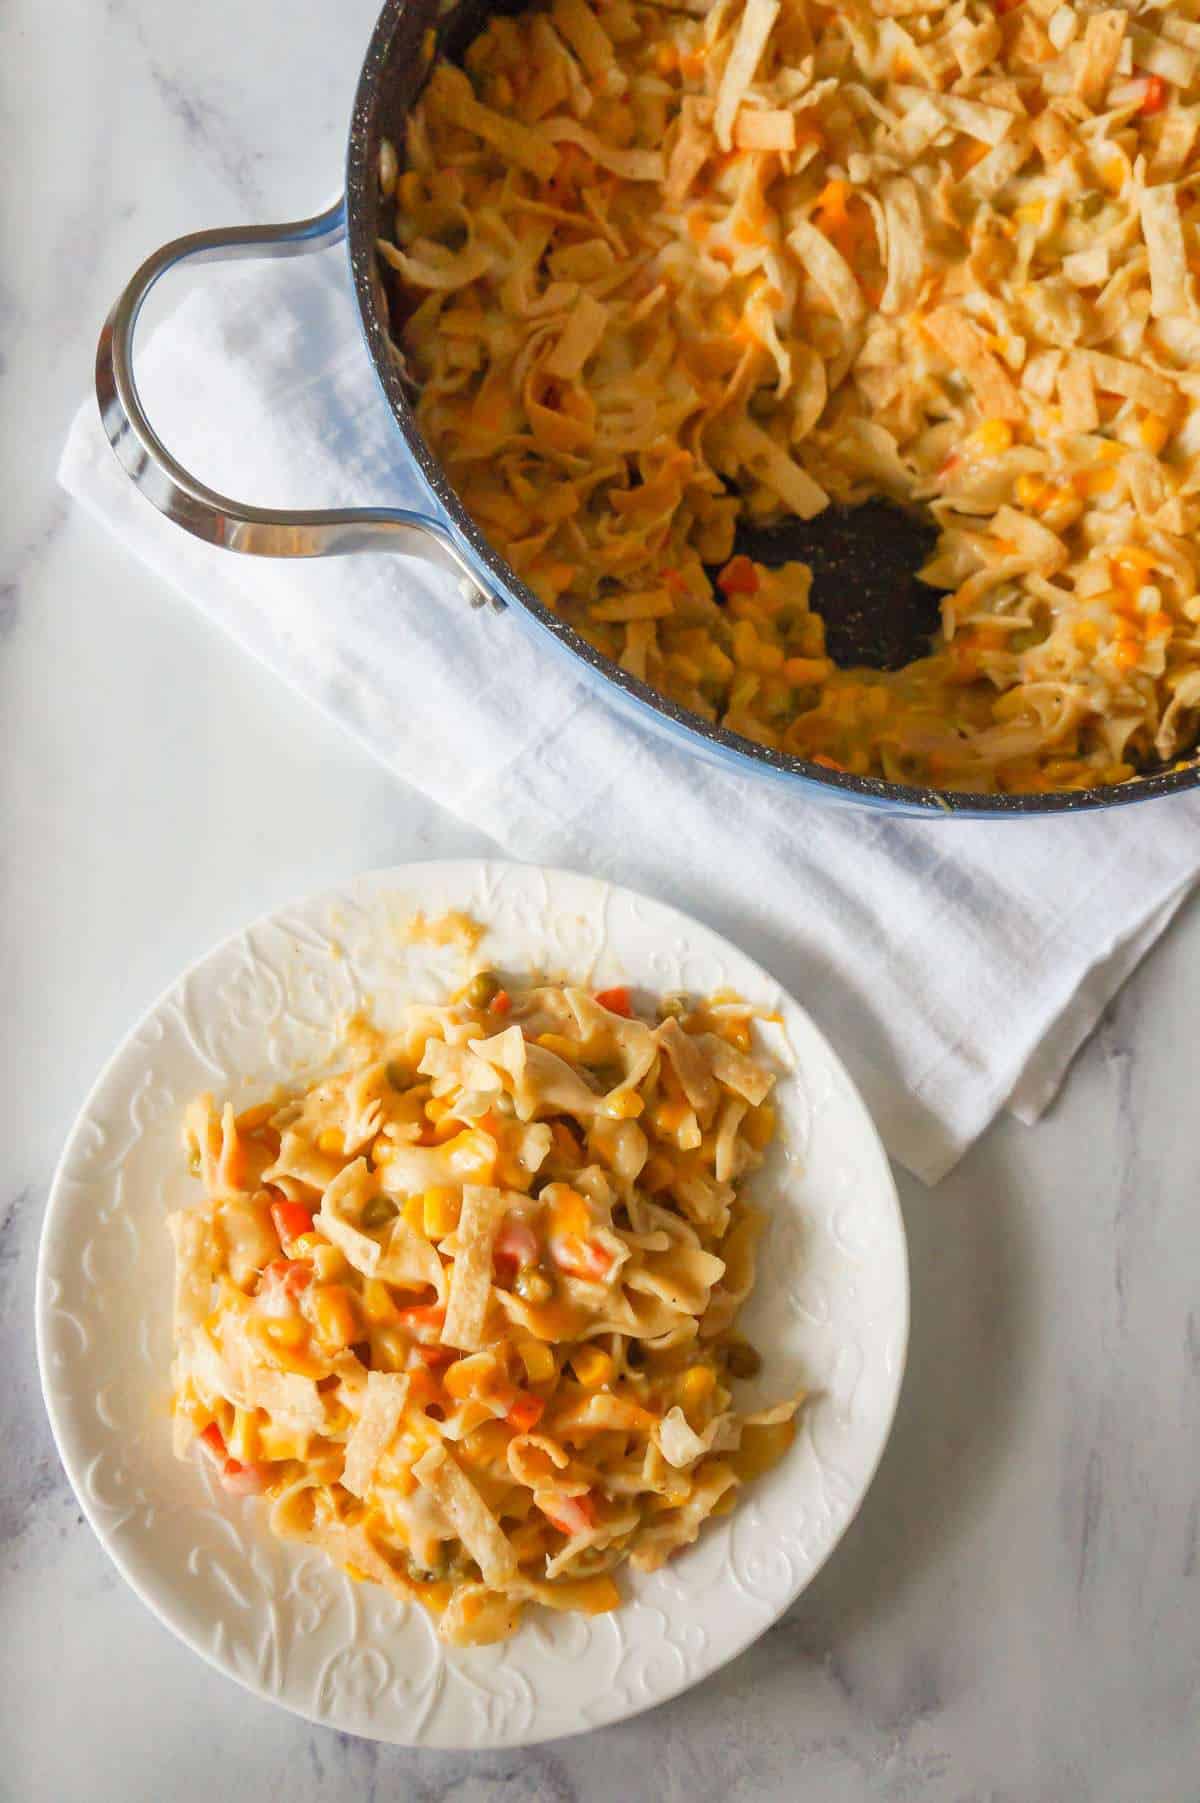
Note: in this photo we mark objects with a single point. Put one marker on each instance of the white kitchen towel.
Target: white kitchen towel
(956, 965)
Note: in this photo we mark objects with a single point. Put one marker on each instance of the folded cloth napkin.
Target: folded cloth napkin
(956, 965)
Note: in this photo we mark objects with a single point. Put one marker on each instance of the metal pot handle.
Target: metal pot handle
(190, 503)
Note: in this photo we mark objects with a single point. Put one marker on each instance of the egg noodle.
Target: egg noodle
(664, 268)
(465, 1311)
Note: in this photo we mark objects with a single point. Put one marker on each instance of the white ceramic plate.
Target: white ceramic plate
(830, 1310)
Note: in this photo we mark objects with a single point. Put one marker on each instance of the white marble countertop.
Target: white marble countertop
(1014, 1615)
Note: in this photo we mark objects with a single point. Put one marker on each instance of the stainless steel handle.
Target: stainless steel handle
(189, 502)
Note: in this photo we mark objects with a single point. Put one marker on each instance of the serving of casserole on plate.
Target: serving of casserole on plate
(507, 1373)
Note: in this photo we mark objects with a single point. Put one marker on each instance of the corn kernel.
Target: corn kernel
(331, 1141)
(1030, 491)
(806, 670)
(437, 1108)
(669, 1117)
(593, 1367)
(377, 1303)
(538, 1361)
(1154, 431)
(696, 1386)
(559, 1045)
(624, 1105)
(570, 1214)
(242, 1439)
(328, 1263)
(414, 1213)
(336, 1321)
(279, 1443)
(389, 1349)
(439, 1212)
(287, 1333)
(252, 1118)
(993, 437)
(468, 1376)
(1131, 564)
(1031, 213)
(401, 1480)
(759, 1126)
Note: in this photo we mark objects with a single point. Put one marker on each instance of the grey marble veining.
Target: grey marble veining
(1014, 1616)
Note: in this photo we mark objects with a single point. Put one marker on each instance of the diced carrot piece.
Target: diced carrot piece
(291, 1220)
(617, 1000)
(213, 1440)
(525, 1413)
(739, 577)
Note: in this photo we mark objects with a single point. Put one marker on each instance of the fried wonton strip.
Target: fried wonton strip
(449, 93)
(829, 270)
(194, 1262)
(468, 1514)
(1178, 135)
(918, 126)
(383, 1406)
(691, 148)
(758, 128)
(1145, 386)
(1162, 229)
(767, 460)
(1077, 393)
(999, 165)
(679, 1527)
(471, 1276)
(580, 339)
(962, 342)
(753, 31)
(586, 36)
(1098, 55)
(630, 165)
(905, 245)
(341, 1206)
(747, 1076)
(988, 124)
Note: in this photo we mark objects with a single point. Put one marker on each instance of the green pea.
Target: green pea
(378, 1212)
(533, 1286)
(483, 988)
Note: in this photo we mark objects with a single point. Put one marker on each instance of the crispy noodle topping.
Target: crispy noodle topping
(661, 269)
(465, 1311)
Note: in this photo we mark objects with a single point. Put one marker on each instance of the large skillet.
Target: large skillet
(392, 76)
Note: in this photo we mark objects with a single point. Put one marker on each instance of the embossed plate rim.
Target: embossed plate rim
(529, 1718)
